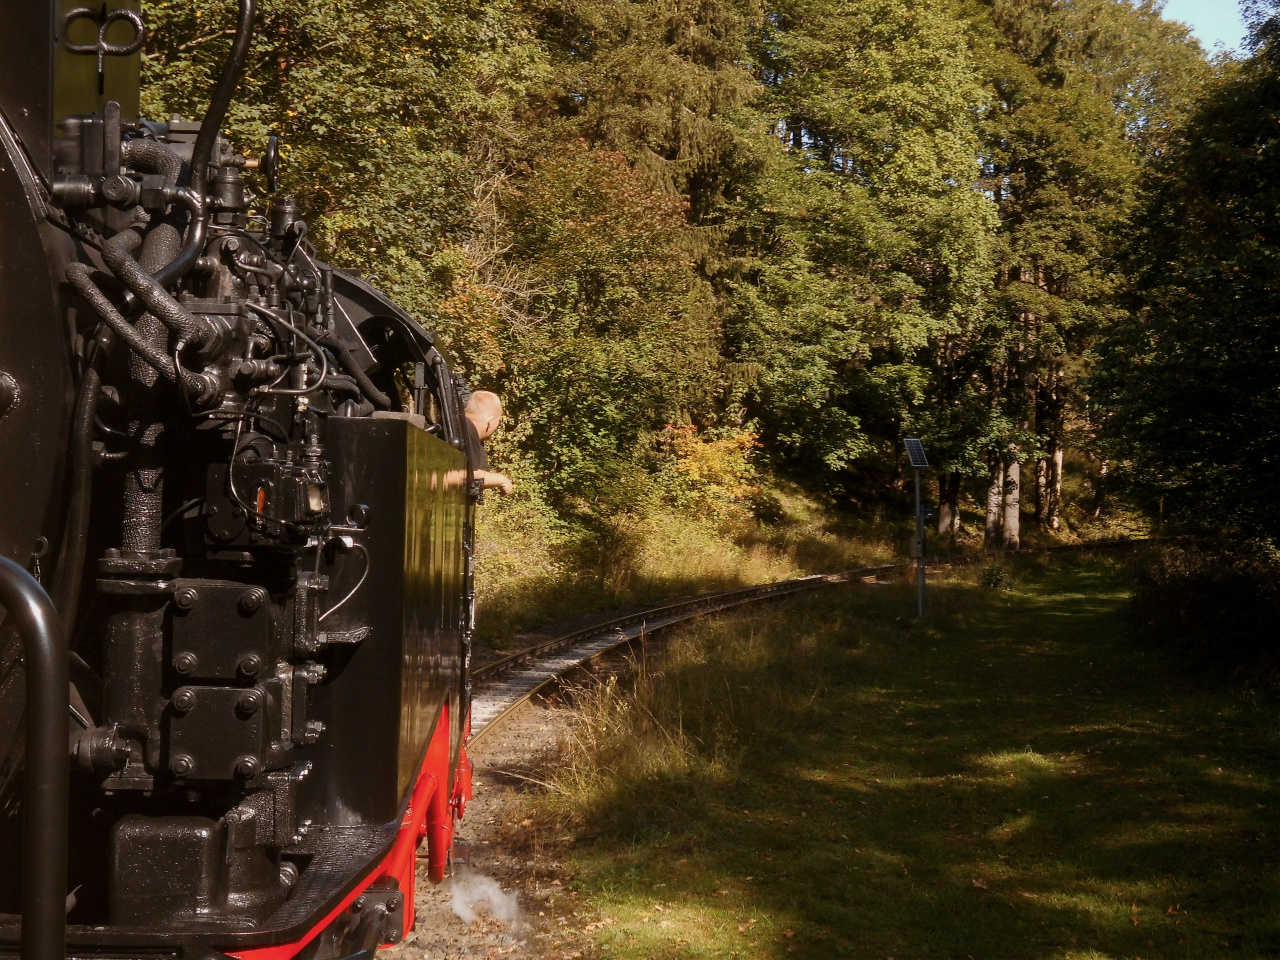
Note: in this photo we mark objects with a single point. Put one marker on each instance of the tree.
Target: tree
(1186, 389)
(1083, 94)
(862, 245)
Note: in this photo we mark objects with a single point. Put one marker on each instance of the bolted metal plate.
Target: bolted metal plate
(217, 733)
(221, 630)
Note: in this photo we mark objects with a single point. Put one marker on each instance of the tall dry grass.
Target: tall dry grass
(532, 571)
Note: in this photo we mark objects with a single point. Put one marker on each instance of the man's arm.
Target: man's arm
(492, 480)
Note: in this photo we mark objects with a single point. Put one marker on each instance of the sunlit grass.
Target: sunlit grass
(530, 572)
(1014, 777)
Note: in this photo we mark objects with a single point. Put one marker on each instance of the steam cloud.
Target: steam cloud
(470, 890)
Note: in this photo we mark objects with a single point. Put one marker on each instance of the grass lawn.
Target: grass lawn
(1017, 776)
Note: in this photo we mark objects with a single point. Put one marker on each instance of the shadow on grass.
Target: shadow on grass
(1016, 777)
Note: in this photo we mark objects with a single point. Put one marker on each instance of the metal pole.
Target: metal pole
(919, 546)
(44, 801)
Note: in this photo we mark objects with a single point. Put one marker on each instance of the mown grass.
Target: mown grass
(1018, 776)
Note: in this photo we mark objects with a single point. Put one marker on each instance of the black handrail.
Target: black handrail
(44, 800)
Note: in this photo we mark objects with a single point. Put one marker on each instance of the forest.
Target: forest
(710, 251)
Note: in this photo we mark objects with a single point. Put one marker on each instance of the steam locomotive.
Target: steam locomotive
(236, 511)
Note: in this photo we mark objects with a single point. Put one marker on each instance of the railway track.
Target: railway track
(500, 688)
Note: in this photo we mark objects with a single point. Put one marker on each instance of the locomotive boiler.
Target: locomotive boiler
(235, 520)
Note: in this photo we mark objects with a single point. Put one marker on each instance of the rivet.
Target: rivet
(185, 663)
(186, 597)
(181, 765)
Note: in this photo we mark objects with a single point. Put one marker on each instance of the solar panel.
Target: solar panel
(915, 450)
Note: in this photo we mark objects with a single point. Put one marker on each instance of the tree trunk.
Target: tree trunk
(1043, 470)
(1053, 489)
(949, 505)
(995, 503)
(1011, 524)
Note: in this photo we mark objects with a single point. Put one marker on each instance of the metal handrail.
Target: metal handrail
(44, 800)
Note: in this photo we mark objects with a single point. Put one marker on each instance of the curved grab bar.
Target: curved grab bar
(44, 800)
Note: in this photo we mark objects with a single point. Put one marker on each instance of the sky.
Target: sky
(1212, 21)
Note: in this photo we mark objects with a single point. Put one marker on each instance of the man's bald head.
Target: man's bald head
(484, 410)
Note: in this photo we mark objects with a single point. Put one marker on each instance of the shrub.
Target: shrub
(1218, 605)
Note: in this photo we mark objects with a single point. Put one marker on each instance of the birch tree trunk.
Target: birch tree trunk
(1011, 522)
(1053, 489)
(995, 504)
(1043, 469)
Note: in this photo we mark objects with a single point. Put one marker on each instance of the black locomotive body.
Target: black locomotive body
(237, 474)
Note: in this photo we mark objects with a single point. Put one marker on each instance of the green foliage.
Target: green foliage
(613, 348)
(861, 242)
(831, 225)
(1187, 388)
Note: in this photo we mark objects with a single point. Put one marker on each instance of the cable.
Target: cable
(231, 484)
(359, 583)
(180, 511)
(319, 351)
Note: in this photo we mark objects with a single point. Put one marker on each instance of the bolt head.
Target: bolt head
(250, 666)
(247, 767)
(181, 765)
(184, 699)
(186, 597)
(249, 703)
(252, 600)
(359, 904)
(185, 663)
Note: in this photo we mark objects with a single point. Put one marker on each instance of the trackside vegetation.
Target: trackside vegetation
(1020, 775)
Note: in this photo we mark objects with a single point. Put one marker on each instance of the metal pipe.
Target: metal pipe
(117, 253)
(44, 801)
(211, 125)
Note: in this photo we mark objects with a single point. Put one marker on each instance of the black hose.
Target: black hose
(66, 589)
(44, 801)
(117, 253)
(80, 276)
(154, 155)
(192, 246)
(349, 364)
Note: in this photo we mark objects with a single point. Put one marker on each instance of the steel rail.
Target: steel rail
(545, 663)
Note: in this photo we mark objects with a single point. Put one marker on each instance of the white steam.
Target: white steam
(473, 890)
